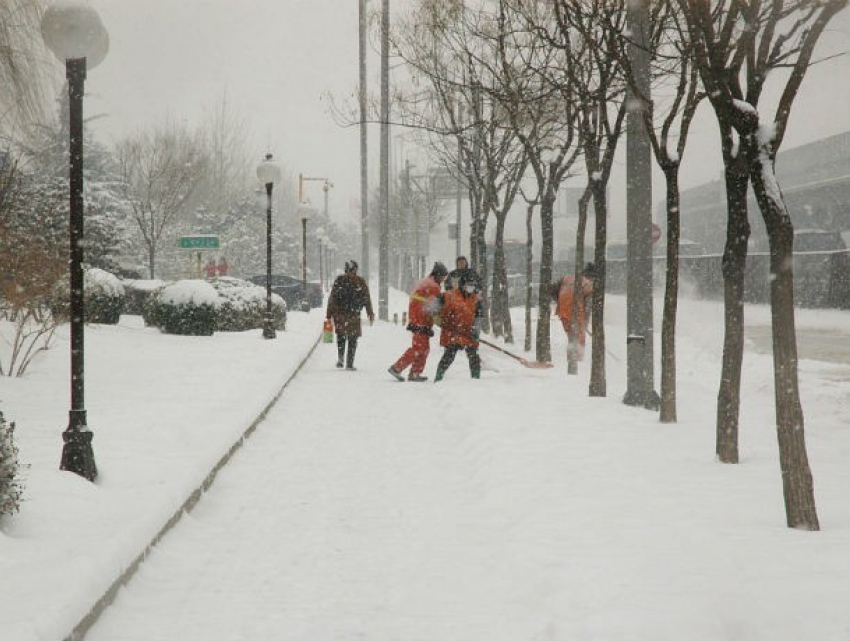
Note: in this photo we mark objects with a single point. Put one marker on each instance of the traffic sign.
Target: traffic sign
(205, 241)
(656, 233)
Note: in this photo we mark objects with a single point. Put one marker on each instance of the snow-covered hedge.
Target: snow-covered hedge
(104, 298)
(10, 484)
(188, 307)
(137, 292)
(243, 305)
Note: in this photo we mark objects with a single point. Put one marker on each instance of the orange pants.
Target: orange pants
(415, 356)
(582, 332)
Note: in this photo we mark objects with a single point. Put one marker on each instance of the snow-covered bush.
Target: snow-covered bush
(243, 305)
(137, 293)
(104, 297)
(188, 307)
(10, 485)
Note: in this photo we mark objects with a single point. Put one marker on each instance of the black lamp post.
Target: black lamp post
(74, 33)
(305, 303)
(321, 265)
(305, 209)
(268, 172)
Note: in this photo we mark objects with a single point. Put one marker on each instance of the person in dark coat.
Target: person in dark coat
(348, 296)
(461, 269)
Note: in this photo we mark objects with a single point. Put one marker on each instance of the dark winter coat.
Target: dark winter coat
(453, 280)
(348, 296)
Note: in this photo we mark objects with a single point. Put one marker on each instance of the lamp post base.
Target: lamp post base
(268, 328)
(77, 454)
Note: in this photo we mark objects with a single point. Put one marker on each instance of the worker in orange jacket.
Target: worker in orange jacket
(420, 312)
(460, 325)
(564, 295)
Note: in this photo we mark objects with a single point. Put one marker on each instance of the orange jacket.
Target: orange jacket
(564, 308)
(423, 301)
(457, 318)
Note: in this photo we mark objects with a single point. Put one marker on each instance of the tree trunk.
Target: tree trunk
(480, 251)
(544, 296)
(671, 300)
(734, 263)
(500, 310)
(598, 384)
(529, 274)
(797, 484)
(581, 227)
(151, 260)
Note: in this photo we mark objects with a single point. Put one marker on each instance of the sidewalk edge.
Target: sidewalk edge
(80, 630)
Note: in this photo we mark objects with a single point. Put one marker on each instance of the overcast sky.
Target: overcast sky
(278, 58)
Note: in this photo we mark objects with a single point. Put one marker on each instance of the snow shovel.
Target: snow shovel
(525, 362)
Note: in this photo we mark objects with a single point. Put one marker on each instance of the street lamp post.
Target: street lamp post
(321, 265)
(74, 33)
(305, 304)
(639, 340)
(268, 172)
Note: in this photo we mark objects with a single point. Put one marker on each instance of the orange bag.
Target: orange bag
(328, 331)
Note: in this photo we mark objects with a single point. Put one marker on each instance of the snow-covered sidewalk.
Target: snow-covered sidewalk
(514, 507)
(164, 410)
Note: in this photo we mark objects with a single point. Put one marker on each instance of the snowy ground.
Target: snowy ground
(514, 507)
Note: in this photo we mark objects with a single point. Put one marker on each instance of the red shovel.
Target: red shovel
(525, 362)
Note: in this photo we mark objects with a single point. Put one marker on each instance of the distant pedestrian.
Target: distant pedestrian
(223, 267)
(420, 311)
(348, 296)
(461, 314)
(564, 295)
(210, 269)
(461, 269)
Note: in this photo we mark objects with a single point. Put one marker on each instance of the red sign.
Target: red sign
(656, 233)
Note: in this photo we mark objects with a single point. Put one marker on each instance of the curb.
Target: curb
(80, 630)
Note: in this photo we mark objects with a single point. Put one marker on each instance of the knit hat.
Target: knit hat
(439, 270)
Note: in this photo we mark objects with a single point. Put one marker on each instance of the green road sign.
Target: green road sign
(199, 242)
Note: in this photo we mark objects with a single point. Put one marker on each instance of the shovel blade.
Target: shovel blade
(537, 364)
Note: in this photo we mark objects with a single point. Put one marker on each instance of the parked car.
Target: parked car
(289, 289)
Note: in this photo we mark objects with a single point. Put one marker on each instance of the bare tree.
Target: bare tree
(161, 170)
(32, 263)
(23, 60)
(230, 170)
(737, 45)
(589, 34)
(451, 51)
(543, 115)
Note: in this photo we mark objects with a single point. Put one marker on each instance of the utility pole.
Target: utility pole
(459, 183)
(383, 245)
(364, 174)
(639, 340)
